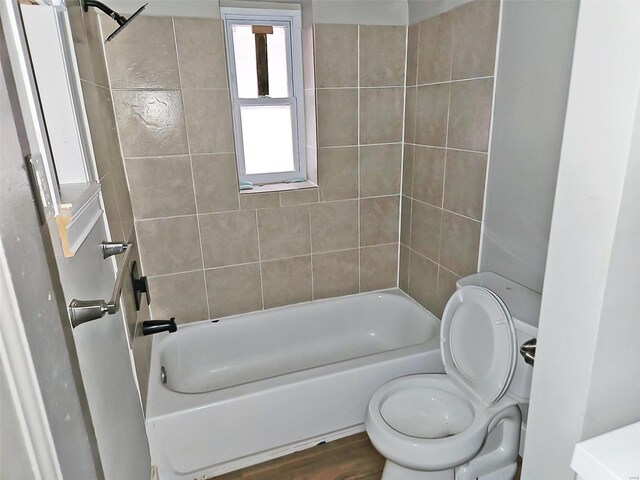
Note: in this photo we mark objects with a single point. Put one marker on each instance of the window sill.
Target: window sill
(279, 187)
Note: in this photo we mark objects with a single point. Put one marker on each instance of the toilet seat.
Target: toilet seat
(478, 343)
(440, 453)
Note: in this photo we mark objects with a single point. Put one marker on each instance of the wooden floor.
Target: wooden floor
(350, 458)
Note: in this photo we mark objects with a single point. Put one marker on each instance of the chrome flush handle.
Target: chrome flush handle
(528, 351)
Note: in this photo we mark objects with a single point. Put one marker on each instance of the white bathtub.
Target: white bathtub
(257, 386)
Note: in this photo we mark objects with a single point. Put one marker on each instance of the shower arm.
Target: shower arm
(101, 6)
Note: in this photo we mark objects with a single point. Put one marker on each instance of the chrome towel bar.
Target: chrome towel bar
(83, 311)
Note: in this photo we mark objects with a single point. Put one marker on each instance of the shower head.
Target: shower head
(122, 21)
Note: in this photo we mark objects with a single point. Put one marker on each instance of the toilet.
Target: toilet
(464, 424)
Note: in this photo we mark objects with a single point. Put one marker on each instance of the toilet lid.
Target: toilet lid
(478, 343)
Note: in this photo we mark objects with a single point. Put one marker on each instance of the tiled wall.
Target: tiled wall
(450, 70)
(106, 147)
(210, 252)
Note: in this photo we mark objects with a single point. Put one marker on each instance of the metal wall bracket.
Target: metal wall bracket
(140, 285)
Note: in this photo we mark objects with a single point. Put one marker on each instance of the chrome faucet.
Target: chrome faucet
(149, 327)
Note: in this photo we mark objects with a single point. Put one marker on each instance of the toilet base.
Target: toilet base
(393, 471)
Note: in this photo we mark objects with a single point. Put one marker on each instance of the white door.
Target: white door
(102, 345)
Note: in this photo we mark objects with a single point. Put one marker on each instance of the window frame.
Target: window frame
(291, 19)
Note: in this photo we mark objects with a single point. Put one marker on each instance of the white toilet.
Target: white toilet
(464, 424)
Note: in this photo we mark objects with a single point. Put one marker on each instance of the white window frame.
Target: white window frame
(290, 19)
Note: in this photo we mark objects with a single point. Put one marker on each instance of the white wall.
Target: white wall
(421, 9)
(534, 67)
(363, 12)
(585, 380)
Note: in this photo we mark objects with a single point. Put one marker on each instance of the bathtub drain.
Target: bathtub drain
(163, 375)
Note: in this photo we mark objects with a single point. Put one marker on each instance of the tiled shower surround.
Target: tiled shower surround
(211, 252)
(450, 75)
(384, 126)
(106, 148)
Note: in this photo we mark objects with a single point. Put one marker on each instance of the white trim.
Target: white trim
(291, 20)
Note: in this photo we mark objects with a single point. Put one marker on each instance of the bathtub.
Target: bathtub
(257, 386)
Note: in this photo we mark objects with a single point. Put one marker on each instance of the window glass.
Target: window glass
(267, 139)
(244, 45)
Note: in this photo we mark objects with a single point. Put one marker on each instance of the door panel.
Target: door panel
(105, 362)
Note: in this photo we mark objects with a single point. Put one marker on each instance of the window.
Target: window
(265, 76)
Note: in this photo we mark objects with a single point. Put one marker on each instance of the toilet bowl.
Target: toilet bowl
(464, 424)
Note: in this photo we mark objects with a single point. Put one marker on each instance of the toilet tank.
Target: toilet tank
(524, 307)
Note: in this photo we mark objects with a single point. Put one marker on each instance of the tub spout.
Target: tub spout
(149, 327)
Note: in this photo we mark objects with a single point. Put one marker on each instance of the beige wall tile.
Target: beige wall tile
(299, 197)
(229, 238)
(169, 245)
(94, 37)
(381, 114)
(470, 114)
(412, 53)
(216, 182)
(379, 220)
(284, 232)
(161, 186)
(310, 113)
(423, 281)
(464, 187)
(145, 56)
(334, 226)
(336, 55)
(407, 170)
(119, 178)
(181, 296)
(208, 118)
(474, 44)
(150, 122)
(253, 201)
(446, 287)
(382, 55)
(403, 277)
(97, 108)
(378, 267)
(337, 117)
(434, 51)
(308, 58)
(405, 221)
(425, 230)
(410, 115)
(432, 103)
(338, 173)
(428, 174)
(201, 52)
(111, 208)
(234, 290)
(380, 169)
(460, 243)
(80, 41)
(335, 274)
(286, 281)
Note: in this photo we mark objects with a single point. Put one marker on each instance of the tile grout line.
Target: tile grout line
(402, 159)
(259, 259)
(193, 182)
(358, 153)
(313, 293)
(446, 142)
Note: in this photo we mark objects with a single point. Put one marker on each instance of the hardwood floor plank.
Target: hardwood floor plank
(350, 458)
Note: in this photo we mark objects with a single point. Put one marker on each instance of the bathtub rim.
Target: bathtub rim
(164, 402)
